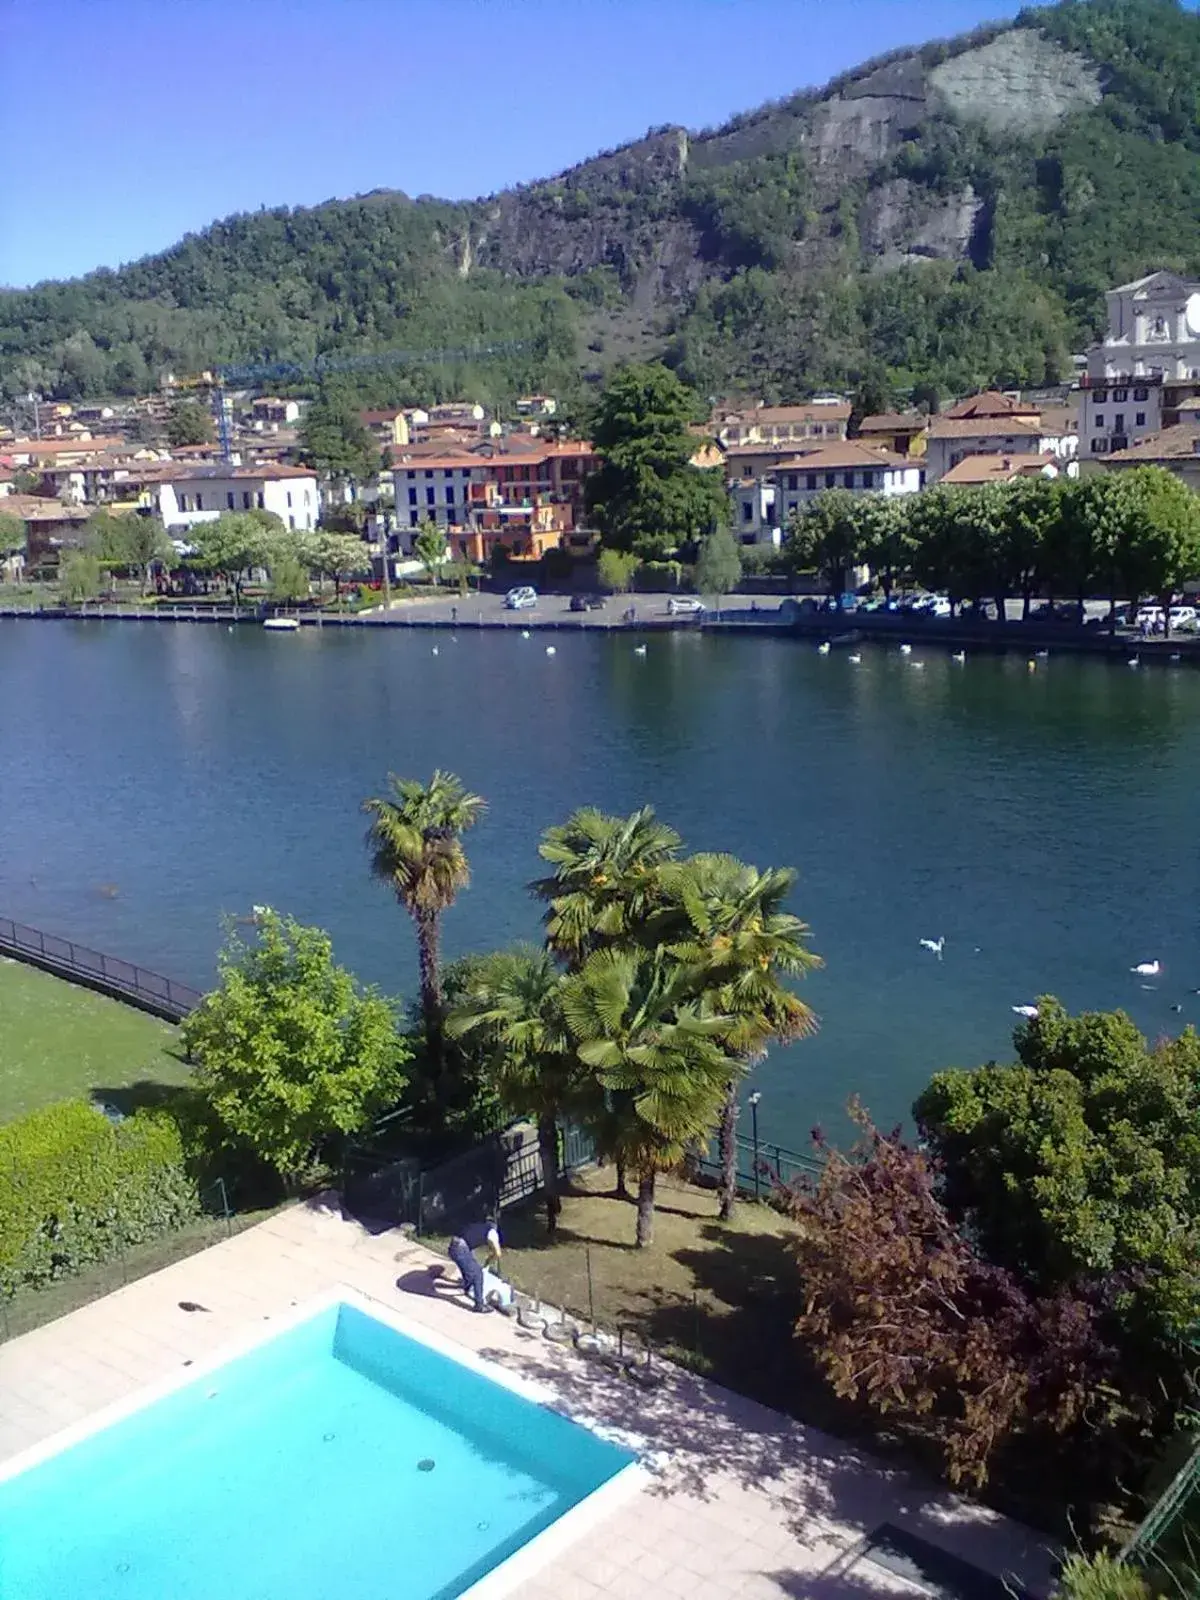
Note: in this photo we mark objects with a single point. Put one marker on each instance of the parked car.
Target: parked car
(939, 606)
(684, 605)
(522, 598)
(586, 602)
(1182, 617)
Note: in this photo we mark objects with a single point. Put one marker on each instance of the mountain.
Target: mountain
(944, 217)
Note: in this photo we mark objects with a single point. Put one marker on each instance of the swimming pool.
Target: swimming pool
(339, 1458)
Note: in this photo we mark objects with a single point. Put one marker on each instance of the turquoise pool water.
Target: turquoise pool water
(301, 1471)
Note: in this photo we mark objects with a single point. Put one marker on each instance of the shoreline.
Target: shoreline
(841, 631)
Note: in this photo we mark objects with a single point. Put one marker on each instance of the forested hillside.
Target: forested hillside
(948, 217)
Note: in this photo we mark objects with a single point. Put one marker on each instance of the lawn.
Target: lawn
(720, 1298)
(58, 1040)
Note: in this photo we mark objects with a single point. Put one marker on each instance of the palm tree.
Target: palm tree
(415, 840)
(657, 1053)
(726, 919)
(513, 1002)
(604, 885)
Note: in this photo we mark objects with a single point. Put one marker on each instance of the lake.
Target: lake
(154, 779)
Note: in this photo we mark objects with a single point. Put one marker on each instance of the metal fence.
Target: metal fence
(500, 1171)
(122, 979)
(761, 1164)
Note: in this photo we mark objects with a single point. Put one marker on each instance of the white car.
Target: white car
(523, 598)
(939, 606)
(1182, 616)
(684, 605)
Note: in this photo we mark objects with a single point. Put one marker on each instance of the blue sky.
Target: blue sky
(126, 123)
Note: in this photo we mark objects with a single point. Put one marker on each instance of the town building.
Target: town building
(269, 413)
(49, 527)
(817, 421)
(994, 424)
(972, 471)
(1145, 368)
(764, 505)
(1176, 448)
(536, 405)
(901, 432)
(187, 495)
(388, 427)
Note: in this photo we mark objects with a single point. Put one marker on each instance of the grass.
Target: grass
(58, 1040)
(706, 1294)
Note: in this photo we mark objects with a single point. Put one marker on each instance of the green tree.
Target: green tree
(887, 539)
(513, 1003)
(234, 544)
(12, 536)
(1158, 536)
(126, 542)
(615, 570)
(647, 497)
(829, 534)
(654, 1047)
(416, 848)
(429, 548)
(1028, 510)
(188, 422)
(1081, 1159)
(291, 1054)
(289, 577)
(1071, 552)
(328, 554)
(719, 564)
(79, 576)
(604, 885)
(335, 441)
(727, 920)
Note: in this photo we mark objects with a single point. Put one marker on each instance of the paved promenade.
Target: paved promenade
(741, 1503)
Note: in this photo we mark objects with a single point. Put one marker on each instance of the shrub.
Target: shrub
(1101, 1578)
(76, 1188)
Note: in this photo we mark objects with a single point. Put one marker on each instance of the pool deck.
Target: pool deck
(742, 1503)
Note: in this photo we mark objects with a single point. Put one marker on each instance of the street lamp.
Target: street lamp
(753, 1103)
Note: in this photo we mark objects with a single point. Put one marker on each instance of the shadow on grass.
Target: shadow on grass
(145, 1095)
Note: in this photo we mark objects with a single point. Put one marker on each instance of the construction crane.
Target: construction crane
(222, 378)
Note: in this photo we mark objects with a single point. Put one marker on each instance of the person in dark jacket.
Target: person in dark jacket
(462, 1253)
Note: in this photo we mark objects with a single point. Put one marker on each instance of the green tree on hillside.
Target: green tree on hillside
(335, 441)
(647, 497)
(188, 422)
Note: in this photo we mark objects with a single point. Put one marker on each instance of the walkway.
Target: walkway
(743, 1504)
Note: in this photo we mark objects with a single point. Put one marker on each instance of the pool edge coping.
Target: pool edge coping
(516, 1568)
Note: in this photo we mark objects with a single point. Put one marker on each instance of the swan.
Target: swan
(823, 648)
(1175, 656)
(1026, 1011)
(1148, 969)
(855, 661)
(918, 666)
(1134, 661)
(639, 649)
(524, 633)
(936, 945)
(434, 651)
(906, 649)
(960, 656)
(1041, 655)
(550, 650)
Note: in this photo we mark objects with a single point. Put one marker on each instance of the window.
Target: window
(245, 499)
(411, 476)
(229, 499)
(791, 480)
(289, 498)
(1120, 396)
(199, 502)
(260, 501)
(830, 480)
(1099, 446)
(429, 494)
(428, 473)
(848, 479)
(449, 494)
(183, 505)
(1098, 419)
(413, 518)
(1099, 396)
(810, 480)
(747, 511)
(412, 497)
(292, 523)
(1141, 394)
(1119, 422)
(1140, 419)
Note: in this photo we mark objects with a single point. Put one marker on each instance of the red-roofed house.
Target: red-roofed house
(762, 505)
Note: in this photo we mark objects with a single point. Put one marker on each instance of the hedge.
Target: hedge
(76, 1188)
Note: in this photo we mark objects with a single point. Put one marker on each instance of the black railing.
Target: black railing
(123, 980)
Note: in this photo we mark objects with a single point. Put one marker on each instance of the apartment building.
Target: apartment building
(817, 422)
(994, 424)
(187, 495)
(1145, 368)
(763, 506)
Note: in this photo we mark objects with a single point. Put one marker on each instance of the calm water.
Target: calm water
(154, 778)
(213, 1490)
